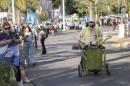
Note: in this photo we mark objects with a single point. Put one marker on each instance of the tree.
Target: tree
(114, 6)
(128, 8)
(4, 4)
(32, 4)
(21, 7)
(43, 15)
(102, 7)
(70, 7)
(91, 7)
(88, 6)
(81, 9)
(69, 4)
(56, 3)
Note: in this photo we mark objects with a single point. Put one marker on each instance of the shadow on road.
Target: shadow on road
(69, 77)
(57, 57)
(118, 58)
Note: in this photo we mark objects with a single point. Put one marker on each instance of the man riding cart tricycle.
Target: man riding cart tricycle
(93, 57)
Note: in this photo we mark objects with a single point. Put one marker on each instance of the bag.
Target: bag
(3, 50)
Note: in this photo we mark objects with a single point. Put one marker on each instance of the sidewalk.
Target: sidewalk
(119, 42)
(26, 81)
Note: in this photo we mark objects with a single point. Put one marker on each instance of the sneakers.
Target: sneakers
(34, 64)
(20, 83)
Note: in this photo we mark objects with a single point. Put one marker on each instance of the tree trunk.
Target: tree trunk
(18, 17)
(90, 10)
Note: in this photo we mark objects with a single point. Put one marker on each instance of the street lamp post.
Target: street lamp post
(90, 10)
(96, 13)
(63, 3)
(121, 12)
(121, 33)
(13, 12)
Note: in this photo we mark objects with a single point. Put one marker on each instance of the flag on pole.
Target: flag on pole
(31, 18)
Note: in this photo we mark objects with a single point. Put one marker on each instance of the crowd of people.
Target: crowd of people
(23, 38)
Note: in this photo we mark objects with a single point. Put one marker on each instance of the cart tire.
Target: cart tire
(80, 71)
(107, 70)
(96, 73)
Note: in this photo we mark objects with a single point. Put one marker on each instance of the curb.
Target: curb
(119, 39)
(119, 42)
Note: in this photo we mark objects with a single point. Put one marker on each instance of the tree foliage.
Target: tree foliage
(102, 7)
(5, 4)
(21, 5)
(70, 7)
(32, 4)
(56, 3)
(43, 15)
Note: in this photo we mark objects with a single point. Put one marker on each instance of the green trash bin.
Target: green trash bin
(93, 59)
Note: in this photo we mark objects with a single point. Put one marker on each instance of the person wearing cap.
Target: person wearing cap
(90, 34)
(11, 54)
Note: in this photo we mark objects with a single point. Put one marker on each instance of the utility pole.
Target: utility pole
(96, 13)
(63, 3)
(121, 33)
(122, 12)
(13, 12)
(90, 10)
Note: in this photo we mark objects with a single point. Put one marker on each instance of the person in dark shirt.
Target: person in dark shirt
(12, 40)
(43, 35)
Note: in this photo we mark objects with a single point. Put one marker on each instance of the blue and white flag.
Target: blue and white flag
(31, 18)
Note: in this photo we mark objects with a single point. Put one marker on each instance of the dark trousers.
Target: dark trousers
(43, 48)
(17, 73)
(36, 42)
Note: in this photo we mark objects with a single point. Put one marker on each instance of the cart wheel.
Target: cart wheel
(107, 70)
(96, 73)
(80, 71)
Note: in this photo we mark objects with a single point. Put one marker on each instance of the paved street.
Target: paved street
(59, 66)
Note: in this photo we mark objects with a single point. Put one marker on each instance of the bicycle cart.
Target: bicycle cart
(93, 59)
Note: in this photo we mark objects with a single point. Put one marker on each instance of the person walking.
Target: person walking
(28, 45)
(12, 54)
(43, 35)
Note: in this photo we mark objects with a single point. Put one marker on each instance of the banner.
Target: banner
(31, 18)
